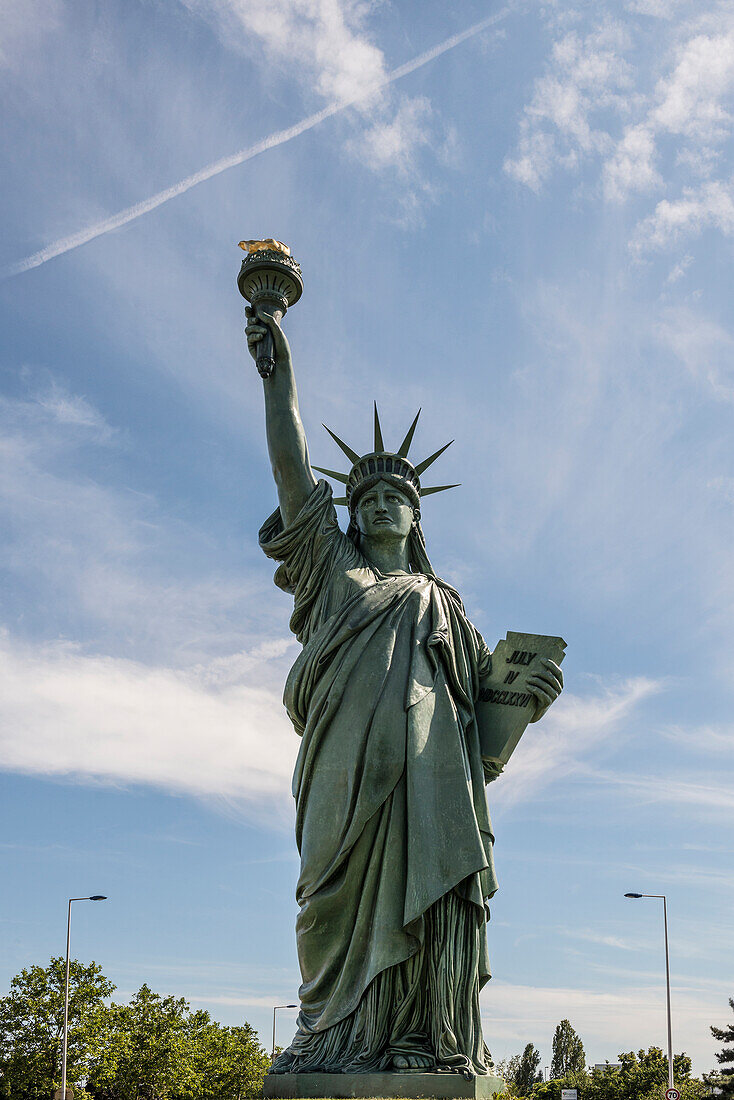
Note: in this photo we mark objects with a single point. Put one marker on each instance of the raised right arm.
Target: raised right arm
(286, 438)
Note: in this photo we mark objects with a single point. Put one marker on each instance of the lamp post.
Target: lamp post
(667, 978)
(275, 1009)
(93, 897)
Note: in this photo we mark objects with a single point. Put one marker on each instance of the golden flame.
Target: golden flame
(268, 243)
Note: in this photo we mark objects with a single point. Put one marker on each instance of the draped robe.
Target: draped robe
(392, 823)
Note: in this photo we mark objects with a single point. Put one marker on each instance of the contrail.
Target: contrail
(280, 137)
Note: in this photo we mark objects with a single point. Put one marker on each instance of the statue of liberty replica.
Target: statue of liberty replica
(392, 823)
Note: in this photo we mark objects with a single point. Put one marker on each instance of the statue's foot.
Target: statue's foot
(412, 1063)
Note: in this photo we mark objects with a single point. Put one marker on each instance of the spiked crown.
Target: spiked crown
(381, 464)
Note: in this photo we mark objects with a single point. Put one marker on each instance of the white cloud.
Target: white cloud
(376, 95)
(585, 76)
(709, 206)
(632, 165)
(592, 104)
(702, 738)
(105, 557)
(658, 9)
(691, 99)
(608, 1022)
(711, 798)
(321, 41)
(50, 409)
(63, 713)
(218, 729)
(565, 736)
(74, 410)
(192, 702)
(679, 269)
(689, 103)
(704, 347)
(336, 61)
(396, 141)
(43, 507)
(587, 935)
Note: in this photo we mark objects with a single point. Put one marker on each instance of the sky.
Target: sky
(519, 217)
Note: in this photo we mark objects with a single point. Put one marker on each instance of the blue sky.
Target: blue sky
(528, 233)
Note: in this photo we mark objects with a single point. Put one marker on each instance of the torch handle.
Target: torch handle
(265, 361)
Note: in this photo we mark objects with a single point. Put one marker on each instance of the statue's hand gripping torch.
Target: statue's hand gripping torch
(270, 277)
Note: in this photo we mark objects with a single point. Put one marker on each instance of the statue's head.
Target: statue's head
(385, 510)
(383, 492)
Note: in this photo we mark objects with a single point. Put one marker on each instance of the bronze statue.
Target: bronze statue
(392, 822)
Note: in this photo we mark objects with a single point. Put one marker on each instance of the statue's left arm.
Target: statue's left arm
(546, 685)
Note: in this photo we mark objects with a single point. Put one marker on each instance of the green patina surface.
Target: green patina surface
(392, 822)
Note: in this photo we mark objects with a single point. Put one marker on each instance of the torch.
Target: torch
(270, 277)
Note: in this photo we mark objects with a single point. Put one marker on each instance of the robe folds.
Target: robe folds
(391, 813)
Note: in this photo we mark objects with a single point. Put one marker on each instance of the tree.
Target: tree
(642, 1076)
(32, 1023)
(568, 1051)
(147, 1051)
(725, 1057)
(507, 1068)
(233, 1064)
(157, 1049)
(521, 1071)
(647, 1072)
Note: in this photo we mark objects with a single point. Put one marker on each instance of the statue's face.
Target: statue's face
(384, 513)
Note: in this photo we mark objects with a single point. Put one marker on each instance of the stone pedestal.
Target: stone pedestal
(412, 1086)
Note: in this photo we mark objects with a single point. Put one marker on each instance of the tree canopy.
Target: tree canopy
(32, 1024)
(568, 1051)
(725, 1057)
(521, 1071)
(641, 1076)
(154, 1048)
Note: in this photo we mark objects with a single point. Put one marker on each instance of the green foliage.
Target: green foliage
(568, 1051)
(646, 1073)
(147, 1053)
(643, 1076)
(32, 1024)
(725, 1057)
(153, 1048)
(233, 1063)
(521, 1071)
(551, 1090)
(507, 1069)
(157, 1049)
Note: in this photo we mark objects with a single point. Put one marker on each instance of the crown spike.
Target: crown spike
(438, 489)
(379, 445)
(344, 478)
(339, 500)
(405, 445)
(431, 459)
(351, 455)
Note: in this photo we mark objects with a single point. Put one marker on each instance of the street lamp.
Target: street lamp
(667, 978)
(93, 897)
(275, 1009)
